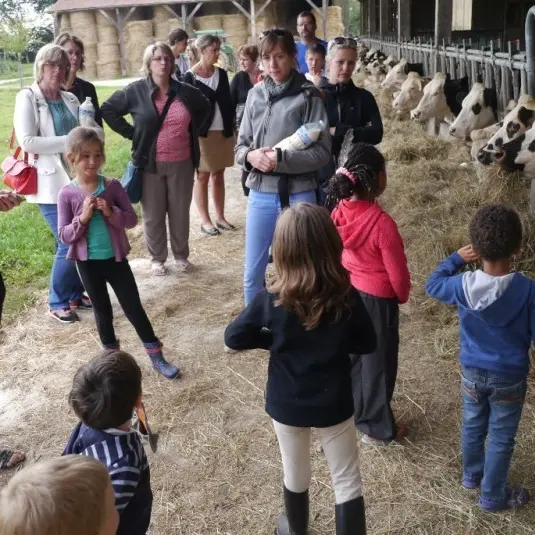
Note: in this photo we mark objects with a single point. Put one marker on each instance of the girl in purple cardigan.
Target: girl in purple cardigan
(93, 213)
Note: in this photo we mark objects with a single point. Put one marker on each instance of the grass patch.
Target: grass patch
(26, 244)
(9, 70)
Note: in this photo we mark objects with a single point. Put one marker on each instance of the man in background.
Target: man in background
(306, 28)
(178, 40)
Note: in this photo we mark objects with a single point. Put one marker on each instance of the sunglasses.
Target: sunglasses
(346, 41)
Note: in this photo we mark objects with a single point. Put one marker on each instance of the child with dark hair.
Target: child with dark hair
(104, 394)
(497, 325)
(375, 258)
(311, 320)
(315, 59)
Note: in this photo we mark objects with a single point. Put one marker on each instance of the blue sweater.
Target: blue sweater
(496, 316)
(126, 461)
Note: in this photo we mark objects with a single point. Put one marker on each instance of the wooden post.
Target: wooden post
(120, 28)
(184, 17)
(253, 21)
(383, 18)
(404, 20)
(372, 27)
(364, 17)
(325, 5)
(56, 24)
(443, 21)
(345, 17)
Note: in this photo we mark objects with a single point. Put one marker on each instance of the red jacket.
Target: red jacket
(373, 250)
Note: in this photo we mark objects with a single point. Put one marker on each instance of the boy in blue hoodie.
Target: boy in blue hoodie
(497, 324)
(104, 394)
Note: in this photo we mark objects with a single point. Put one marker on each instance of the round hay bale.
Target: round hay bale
(108, 70)
(107, 34)
(209, 22)
(139, 30)
(90, 53)
(103, 21)
(65, 21)
(90, 72)
(160, 14)
(134, 53)
(108, 51)
(161, 30)
(82, 19)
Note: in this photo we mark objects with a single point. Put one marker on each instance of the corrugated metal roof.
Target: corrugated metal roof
(81, 5)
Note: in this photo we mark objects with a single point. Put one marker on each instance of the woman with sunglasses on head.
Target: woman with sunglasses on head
(81, 88)
(349, 107)
(275, 109)
(167, 115)
(44, 115)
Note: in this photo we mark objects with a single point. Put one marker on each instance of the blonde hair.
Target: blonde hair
(76, 139)
(192, 52)
(50, 53)
(149, 54)
(310, 278)
(59, 496)
(204, 41)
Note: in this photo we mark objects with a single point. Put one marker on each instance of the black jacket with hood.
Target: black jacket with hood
(136, 100)
(349, 106)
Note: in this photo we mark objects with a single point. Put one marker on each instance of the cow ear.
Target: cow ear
(525, 116)
(420, 85)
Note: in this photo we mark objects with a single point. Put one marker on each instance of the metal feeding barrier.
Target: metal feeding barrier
(504, 71)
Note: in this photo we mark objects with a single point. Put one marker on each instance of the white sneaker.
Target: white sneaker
(183, 266)
(230, 351)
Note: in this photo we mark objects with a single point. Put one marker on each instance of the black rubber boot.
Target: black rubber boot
(351, 518)
(295, 521)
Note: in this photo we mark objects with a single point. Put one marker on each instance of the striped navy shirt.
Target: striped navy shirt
(124, 456)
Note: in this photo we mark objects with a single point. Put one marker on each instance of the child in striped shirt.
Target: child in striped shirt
(104, 394)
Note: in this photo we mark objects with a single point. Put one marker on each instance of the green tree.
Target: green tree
(354, 17)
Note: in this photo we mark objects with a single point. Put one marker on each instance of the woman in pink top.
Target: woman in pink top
(168, 155)
(375, 258)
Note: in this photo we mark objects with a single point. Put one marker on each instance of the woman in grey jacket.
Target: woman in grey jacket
(275, 109)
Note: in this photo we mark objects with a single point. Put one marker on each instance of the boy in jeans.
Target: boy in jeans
(497, 324)
(104, 394)
(63, 496)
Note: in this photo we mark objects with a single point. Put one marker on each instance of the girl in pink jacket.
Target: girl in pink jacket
(375, 258)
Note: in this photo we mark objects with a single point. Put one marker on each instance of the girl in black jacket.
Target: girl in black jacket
(310, 319)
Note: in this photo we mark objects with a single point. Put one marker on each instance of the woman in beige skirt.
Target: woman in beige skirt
(216, 137)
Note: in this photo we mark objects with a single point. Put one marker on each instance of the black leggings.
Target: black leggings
(2, 295)
(95, 274)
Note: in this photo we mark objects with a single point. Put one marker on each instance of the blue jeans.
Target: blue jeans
(65, 283)
(262, 212)
(492, 407)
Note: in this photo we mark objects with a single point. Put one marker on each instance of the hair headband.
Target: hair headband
(347, 173)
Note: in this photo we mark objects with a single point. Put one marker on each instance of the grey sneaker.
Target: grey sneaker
(64, 315)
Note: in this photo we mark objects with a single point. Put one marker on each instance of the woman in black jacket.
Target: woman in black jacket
(78, 87)
(216, 137)
(349, 107)
(168, 154)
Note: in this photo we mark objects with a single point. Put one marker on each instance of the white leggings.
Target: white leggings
(340, 445)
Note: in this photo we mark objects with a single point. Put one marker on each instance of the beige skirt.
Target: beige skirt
(217, 152)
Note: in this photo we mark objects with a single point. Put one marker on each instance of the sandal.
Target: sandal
(225, 225)
(159, 269)
(11, 458)
(402, 433)
(211, 231)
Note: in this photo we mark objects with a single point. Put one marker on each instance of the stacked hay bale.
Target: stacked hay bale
(335, 25)
(209, 22)
(108, 50)
(84, 26)
(139, 35)
(237, 30)
(65, 23)
(268, 18)
(161, 23)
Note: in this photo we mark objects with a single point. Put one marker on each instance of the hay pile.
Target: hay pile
(209, 22)
(139, 36)
(237, 30)
(335, 25)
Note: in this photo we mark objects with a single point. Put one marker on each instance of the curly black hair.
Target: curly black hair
(495, 232)
(366, 163)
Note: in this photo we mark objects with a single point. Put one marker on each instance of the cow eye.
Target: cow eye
(476, 108)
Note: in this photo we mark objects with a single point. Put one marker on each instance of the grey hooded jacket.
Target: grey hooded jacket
(268, 120)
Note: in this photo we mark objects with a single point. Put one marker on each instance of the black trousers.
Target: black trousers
(374, 375)
(2, 296)
(95, 274)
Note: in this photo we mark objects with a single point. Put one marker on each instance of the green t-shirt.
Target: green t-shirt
(99, 246)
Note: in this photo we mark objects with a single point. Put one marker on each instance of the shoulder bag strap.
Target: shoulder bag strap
(161, 117)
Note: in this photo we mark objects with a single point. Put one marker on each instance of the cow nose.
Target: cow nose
(483, 157)
(452, 130)
(415, 114)
(395, 104)
(498, 156)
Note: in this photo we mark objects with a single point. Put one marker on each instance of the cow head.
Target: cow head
(433, 103)
(515, 123)
(410, 94)
(478, 111)
(396, 76)
(526, 155)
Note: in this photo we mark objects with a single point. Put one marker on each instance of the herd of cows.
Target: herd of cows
(472, 113)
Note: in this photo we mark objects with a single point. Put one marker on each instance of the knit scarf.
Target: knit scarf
(274, 89)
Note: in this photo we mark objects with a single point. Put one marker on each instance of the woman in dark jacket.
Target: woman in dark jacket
(81, 88)
(349, 107)
(216, 137)
(168, 155)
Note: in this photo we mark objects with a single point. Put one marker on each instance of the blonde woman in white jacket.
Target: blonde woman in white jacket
(44, 115)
